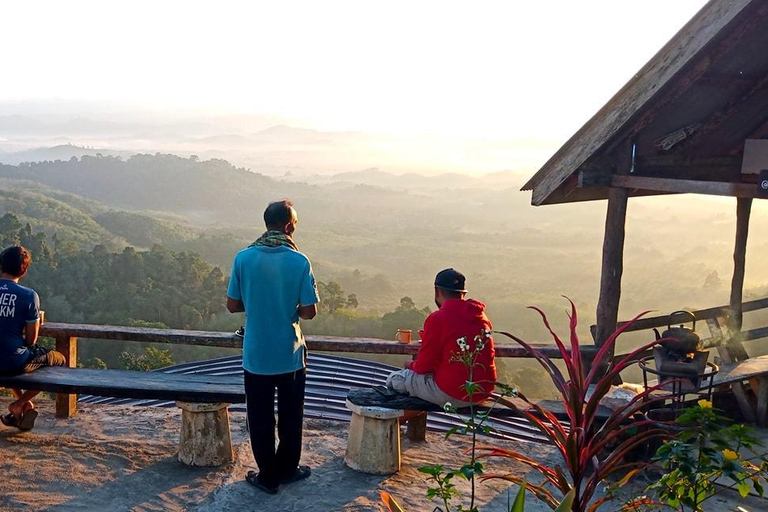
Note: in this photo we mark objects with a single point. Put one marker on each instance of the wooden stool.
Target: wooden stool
(373, 445)
(205, 438)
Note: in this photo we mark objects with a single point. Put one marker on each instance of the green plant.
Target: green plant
(592, 449)
(707, 450)
(151, 359)
(517, 506)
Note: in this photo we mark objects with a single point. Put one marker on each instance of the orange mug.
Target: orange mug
(403, 335)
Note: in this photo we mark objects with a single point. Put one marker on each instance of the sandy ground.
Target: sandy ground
(113, 458)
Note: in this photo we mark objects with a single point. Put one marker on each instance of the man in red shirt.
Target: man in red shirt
(437, 374)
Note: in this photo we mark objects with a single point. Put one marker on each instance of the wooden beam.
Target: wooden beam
(670, 73)
(66, 333)
(743, 210)
(708, 132)
(716, 188)
(701, 314)
(698, 67)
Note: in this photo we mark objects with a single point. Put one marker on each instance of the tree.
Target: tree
(331, 296)
(405, 316)
(713, 281)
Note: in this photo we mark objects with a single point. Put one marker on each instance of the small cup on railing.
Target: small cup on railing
(403, 335)
(42, 317)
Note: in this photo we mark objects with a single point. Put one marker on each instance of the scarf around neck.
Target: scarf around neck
(275, 239)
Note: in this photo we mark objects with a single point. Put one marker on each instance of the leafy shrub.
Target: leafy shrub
(151, 359)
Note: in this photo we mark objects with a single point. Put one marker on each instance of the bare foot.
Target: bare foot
(18, 409)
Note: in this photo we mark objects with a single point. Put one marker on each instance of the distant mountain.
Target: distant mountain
(267, 144)
(417, 182)
(60, 152)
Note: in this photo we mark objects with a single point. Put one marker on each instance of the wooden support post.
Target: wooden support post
(734, 346)
(66, 405)
(613, 267)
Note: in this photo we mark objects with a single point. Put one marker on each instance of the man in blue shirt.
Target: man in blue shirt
(19, 326)
(272, 282)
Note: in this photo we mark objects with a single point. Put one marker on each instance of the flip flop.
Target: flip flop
(27, 421)
(9, 420)
(253, 478)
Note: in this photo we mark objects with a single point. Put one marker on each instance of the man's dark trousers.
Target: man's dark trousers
(260, 399)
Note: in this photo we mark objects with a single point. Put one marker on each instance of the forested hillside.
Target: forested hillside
(384, 242)
(148, 241)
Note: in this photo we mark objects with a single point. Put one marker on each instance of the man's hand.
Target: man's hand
(234, 305)
(31, 330)
(308, 312)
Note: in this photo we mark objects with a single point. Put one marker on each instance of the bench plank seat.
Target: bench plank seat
(370, 397)
(132, 384)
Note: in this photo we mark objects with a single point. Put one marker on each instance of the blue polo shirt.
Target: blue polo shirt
(272, 282)
(19, 305)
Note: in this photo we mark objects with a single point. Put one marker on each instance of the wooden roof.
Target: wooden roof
(680, 124)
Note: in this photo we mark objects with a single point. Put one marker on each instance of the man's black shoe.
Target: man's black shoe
(301, 473)
(253, 478)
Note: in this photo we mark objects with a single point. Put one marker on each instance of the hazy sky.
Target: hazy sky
(507, 69)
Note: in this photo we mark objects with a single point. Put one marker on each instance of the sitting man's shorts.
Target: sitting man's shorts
(38, 357)
(41, 356)
(421, 386)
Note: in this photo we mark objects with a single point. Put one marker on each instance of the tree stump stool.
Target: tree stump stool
(205, 438)
(373, 445)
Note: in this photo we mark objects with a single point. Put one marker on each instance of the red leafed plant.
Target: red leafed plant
(592, 448)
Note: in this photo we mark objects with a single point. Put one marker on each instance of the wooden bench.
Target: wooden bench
(373, 444)
(752, 369)
(205, 438)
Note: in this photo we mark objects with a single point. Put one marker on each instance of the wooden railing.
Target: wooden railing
(66, 336)
(716, 320)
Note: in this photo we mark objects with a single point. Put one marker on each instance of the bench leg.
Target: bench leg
(205, 438)
(416, 428)
(743, 400)
(66, 404)
(373, 445)
(762, 401)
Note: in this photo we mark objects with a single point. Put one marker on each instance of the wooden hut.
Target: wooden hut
(681, 125)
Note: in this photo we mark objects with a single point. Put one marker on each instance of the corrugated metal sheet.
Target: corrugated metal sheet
(329, 378)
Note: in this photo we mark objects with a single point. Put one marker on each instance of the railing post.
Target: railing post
(66, 405)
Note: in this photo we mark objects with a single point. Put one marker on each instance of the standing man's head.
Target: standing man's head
(281, 216)
(449, 284)
(14, 261)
